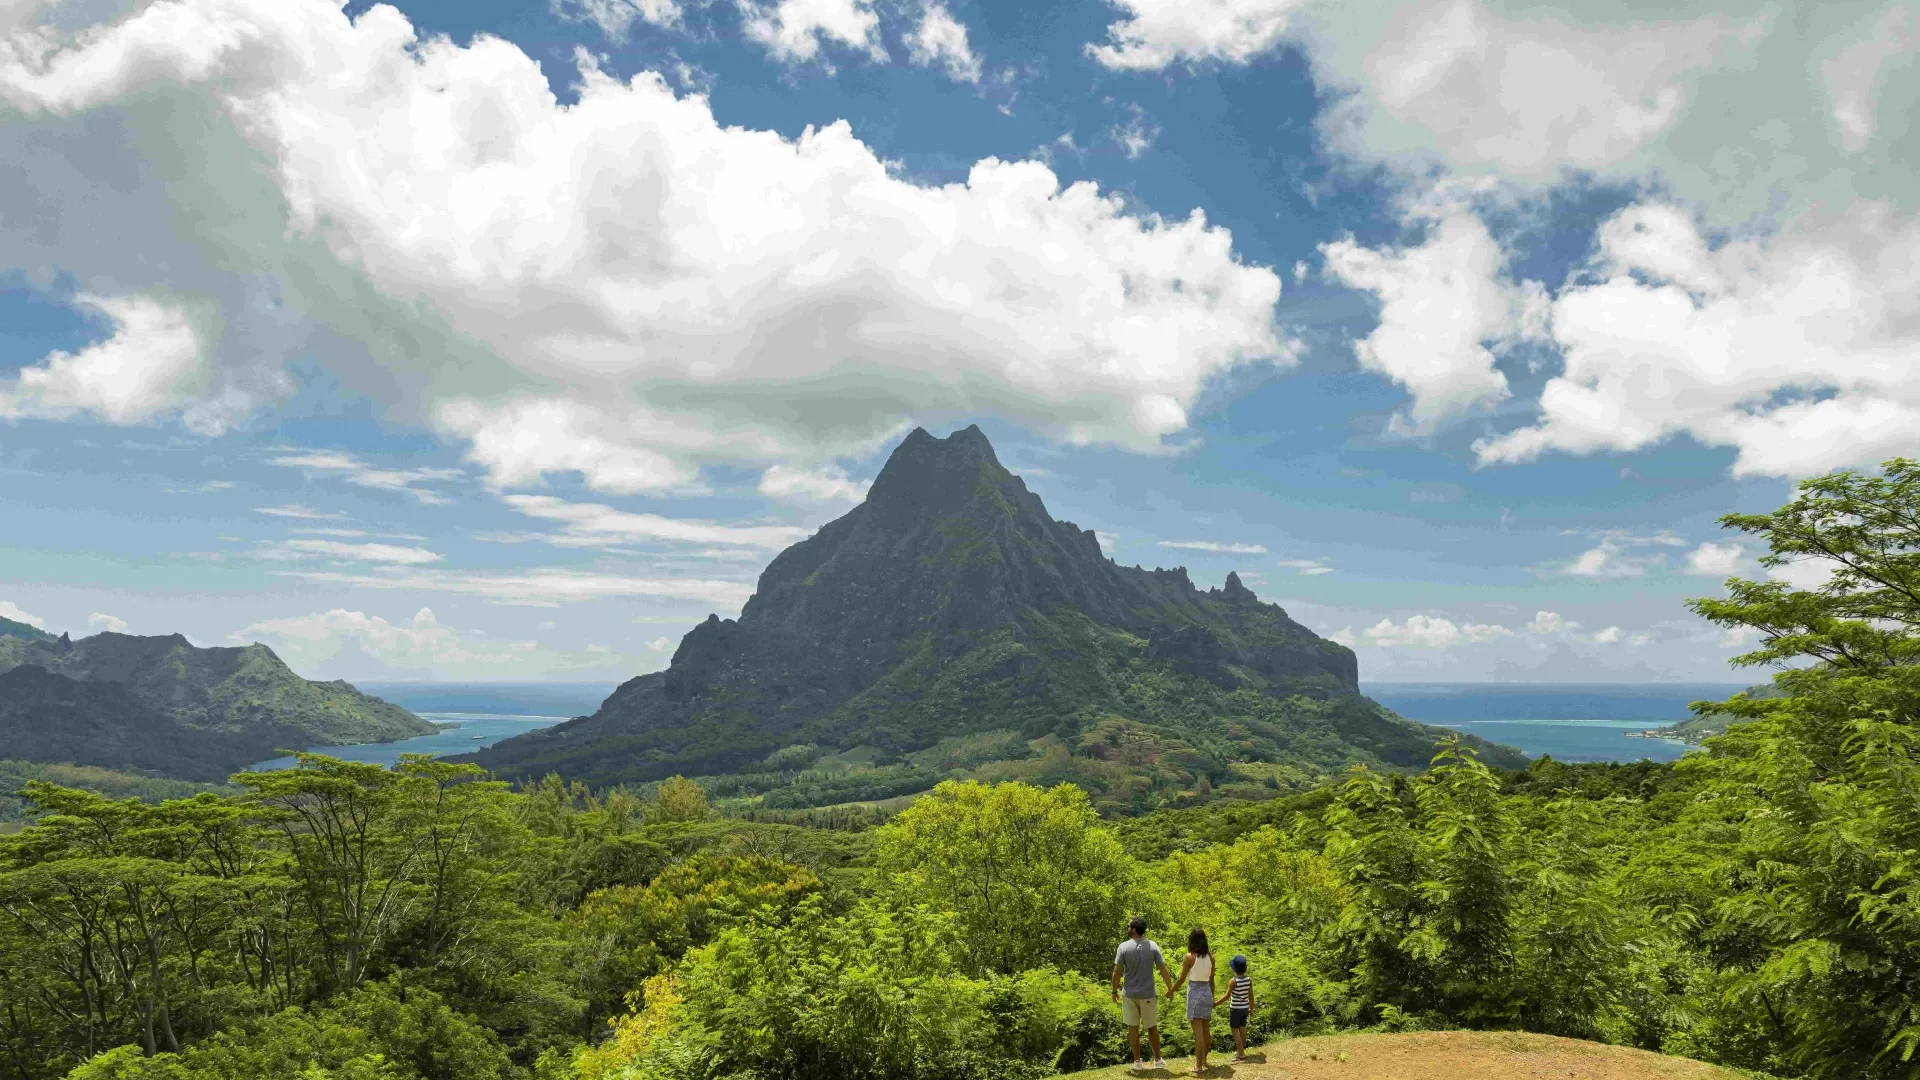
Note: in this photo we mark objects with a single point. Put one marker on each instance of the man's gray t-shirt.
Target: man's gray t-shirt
(1137, 959)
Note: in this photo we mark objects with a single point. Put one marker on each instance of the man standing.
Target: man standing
(1133, 968)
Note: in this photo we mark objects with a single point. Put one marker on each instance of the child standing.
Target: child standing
(1239, 1004)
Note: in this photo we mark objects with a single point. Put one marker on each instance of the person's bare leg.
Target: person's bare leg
(1133, 1040)
(1199, 1044)
(1239, 1042)
(1153, 1037)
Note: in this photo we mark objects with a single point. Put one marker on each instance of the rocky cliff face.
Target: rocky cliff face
(222, 689)
(950, 603)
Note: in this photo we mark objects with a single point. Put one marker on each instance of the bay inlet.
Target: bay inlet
(471, 715)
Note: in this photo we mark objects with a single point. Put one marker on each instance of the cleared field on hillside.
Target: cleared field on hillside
(1437, 1055)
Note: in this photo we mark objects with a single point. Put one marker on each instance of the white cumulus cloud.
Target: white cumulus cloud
(1796, 350)
(1621, 555)
(1715, 560)
(794, 30)
(1431, 632)
(616, 17)
(150, 366)
(1609, 636)
(1604, 560)
(620, 287)
(1771, 307)
(1806, 574)
(1446, 306)
(1550, 622)
(827, 484)
(1524, 95)
(940, 40)
(1742, 107)
(519, 442)
(11, 610)
(110, 623)
(1153, 34)
(1135, 135)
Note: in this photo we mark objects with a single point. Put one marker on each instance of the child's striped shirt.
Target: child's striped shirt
(1240, 993)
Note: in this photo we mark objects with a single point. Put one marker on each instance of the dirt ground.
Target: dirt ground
(1436, 1055)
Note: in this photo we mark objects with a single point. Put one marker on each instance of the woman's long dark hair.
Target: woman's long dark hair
(1197, 942)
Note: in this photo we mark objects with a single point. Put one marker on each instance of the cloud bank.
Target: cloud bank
(638, 289)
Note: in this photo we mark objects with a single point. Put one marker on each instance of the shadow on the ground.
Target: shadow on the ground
(1219, 1068)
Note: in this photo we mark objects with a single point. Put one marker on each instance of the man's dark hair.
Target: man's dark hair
(1138, 925)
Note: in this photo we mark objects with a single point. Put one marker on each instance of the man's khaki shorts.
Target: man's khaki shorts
(1140, 1012)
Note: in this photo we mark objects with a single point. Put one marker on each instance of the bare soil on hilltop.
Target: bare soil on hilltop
(1436, 1055)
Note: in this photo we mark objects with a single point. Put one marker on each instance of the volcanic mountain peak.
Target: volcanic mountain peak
(951, 604)
(924, 471)
(959, 475)
(946, 532)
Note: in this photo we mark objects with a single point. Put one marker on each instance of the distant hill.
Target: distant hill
(51, 718)
(237, 690)
(950, 626)
(24, 631)
(1702, 726)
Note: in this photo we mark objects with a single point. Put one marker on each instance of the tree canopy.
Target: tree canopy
(1754, 905)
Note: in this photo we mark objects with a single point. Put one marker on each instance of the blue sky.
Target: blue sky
(507, 341)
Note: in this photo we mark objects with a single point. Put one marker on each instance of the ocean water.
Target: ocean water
(1569, 722)
(484, 714)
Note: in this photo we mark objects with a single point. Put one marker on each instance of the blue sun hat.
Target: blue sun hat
(1239, 965)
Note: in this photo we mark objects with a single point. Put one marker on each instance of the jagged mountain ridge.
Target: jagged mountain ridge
(229, 689)
(52, 719)
(950, 603)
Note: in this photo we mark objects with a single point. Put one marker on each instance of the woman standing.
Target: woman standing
(1197, 973)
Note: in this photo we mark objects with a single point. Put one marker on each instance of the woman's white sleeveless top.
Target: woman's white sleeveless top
(1202, 970)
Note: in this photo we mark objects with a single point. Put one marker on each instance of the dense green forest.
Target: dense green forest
(1753, 905)
(15, 775)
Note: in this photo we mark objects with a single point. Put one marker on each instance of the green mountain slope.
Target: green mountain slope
(23, 631)
(235, 690)
(1702, 726)
(51, 718)
(950, 624)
